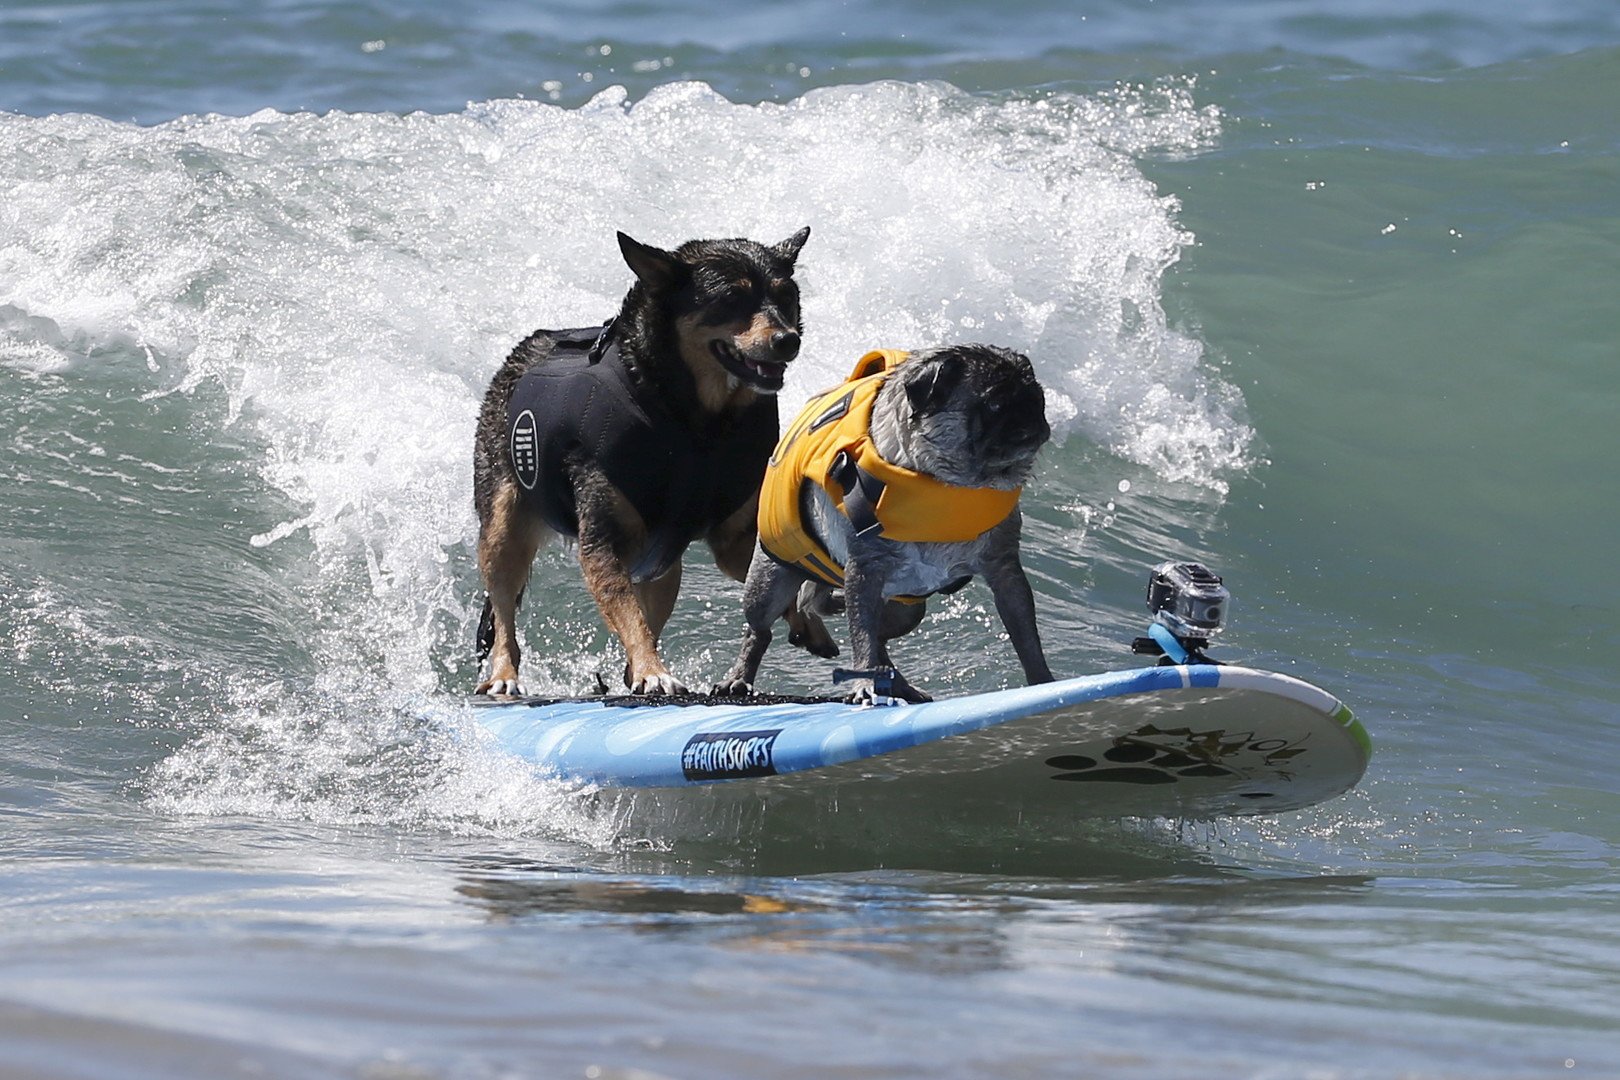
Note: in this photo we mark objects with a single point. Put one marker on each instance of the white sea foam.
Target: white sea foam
(337, 758)
(352, 281)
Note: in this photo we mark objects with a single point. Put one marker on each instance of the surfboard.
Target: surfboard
(1188, 741)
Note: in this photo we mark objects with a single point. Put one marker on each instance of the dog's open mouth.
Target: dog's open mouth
(761, 374)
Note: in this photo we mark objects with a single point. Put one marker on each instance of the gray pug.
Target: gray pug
(968, 416)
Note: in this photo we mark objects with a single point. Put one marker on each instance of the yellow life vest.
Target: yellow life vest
(830, 443)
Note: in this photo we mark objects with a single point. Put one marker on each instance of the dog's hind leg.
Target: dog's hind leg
(732, 541)
(803, 615)
(771, 589)
(900, 619)
(507, 542)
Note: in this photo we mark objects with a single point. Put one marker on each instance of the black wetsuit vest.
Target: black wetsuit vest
(582, 404)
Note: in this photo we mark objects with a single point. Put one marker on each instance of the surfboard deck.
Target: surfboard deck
(1194, 741)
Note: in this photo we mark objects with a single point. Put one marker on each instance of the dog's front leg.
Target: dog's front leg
(605, 576)
(1015, 600)
(603, 548)
(864, 578)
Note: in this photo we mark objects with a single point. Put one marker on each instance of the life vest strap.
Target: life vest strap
(862, 491)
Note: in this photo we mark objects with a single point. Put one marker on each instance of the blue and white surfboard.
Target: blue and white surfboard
(1184, 741)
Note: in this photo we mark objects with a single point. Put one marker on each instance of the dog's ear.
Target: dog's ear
(656, 268)
(929, 389)
(789, 248)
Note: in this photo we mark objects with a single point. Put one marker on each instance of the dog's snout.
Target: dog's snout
(784, 345)
(1040, 430)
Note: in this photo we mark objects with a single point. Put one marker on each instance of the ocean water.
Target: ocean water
(1324, 296)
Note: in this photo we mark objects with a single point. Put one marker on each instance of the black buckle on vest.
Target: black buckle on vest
(603, 340)
(862, 491)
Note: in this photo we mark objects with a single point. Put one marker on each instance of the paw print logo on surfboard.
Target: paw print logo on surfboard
(1152, 755)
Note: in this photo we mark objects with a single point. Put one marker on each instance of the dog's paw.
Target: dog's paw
(900, 688)
(862, 692)
(908, 693)
(732, 688)
(500, 688)
(661, 684)
(805, 628)
(821, 645)
(808, 632)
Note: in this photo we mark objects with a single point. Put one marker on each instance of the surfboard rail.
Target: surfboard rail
(1237, 739)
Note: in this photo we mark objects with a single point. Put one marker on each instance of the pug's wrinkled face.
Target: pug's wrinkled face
(978, 414)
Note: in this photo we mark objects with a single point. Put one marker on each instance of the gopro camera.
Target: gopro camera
(1188, 599)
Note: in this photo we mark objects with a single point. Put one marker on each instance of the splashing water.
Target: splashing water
(351, 281)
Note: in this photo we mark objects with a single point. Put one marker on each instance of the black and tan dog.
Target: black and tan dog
(899, 483)
(637, 438)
